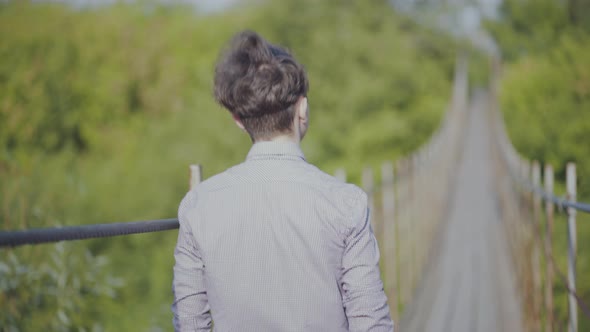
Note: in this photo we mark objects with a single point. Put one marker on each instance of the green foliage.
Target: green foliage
(102, 110)
(72, 285)
(546, 102)
(528, 27)
(545, 98)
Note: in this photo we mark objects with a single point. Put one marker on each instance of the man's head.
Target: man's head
(263, 86)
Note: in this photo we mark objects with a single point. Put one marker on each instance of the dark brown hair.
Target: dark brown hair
(260, 83)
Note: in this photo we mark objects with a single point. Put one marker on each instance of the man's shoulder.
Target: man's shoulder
(322, 178)
(349, 197)
(216, 182)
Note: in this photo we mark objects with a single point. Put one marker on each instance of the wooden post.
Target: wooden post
(524, 230)
(368, 186)
(340, 174)
(517, 225)
(570, 174)
(389, 236)
(421, 218)
(548, 249)
(402, 230)
(196, 174)
(410, 204)
(537, 288)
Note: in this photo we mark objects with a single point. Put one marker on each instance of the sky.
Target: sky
(207, 6)
(210, 5)
(478, 7)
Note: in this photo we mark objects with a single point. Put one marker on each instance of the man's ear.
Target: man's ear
(238, 122)
(302, 109)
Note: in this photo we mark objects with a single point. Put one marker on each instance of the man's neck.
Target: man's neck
(282, 139)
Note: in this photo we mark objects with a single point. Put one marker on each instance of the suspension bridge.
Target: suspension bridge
(457, 225)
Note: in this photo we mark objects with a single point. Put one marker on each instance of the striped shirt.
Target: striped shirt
(275, 244)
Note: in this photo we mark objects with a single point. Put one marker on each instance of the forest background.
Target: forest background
(102, 109)
(545, 100)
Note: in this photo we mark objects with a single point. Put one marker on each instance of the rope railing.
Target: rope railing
(562, 203)
(70, 233)
(525, 178)
(581, 304)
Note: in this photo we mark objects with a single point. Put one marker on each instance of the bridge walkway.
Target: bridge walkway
(469, 284)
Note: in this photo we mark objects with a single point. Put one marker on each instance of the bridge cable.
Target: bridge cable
(562, 204)
(549, 257)
(69, 233)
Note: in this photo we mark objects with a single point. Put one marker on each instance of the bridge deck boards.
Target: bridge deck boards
(469, 285)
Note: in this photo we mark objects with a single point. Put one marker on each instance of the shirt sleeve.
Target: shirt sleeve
(365, 303)
(190, 307)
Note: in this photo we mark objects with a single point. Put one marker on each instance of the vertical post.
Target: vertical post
(389, 235)
(420, 217)
(548, 249)
(196, 174)
(411, 224)
(340, 174)
(570, 175)
(536, 175)
(522, 230)
(402, 230)
(529, 243)
(368, 186)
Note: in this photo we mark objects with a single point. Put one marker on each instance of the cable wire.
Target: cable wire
(560, 202)
(562, 205)
(69, 233)
(549, 257)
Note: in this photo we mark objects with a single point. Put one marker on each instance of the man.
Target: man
(274, 244)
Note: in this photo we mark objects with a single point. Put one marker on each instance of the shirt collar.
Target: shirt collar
(275, 150)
